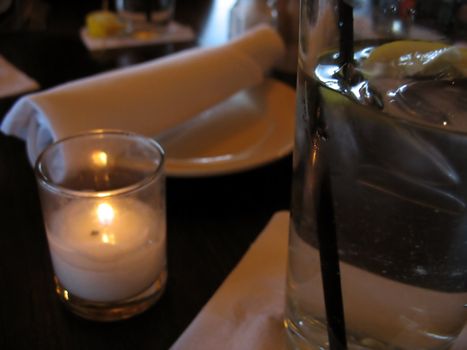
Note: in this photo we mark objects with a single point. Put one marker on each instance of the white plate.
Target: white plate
(251, 128)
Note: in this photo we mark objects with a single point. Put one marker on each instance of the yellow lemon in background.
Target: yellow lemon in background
(102, 24)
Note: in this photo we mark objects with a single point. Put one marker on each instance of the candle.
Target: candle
(107, 249)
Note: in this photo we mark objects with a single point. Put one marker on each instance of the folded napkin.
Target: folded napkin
(147, 98)
(13, 81)
(175, 32)
(247, 310)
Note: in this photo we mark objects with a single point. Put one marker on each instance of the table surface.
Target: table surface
(211, 220)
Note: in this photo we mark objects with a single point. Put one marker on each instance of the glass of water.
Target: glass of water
(378, 235)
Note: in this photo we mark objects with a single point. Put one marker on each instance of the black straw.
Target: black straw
(330, 272)
(327, 234)
(346, 36)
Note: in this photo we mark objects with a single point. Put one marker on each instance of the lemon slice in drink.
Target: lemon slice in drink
(409, 58)
(102, 24)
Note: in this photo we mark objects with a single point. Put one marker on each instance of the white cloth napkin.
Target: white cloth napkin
(175, 32)
(247, 310)
(147, 98)
(13, 81)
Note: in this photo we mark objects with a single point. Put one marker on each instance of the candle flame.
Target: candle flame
(105, 238)
(108, 238)
(105, 213)
(100, 158)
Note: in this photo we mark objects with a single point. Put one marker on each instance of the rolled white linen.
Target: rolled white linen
(147, 98)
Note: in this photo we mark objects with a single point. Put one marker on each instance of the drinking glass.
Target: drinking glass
(246, 14)
(145, 15)
(378, 234)
(103, 201)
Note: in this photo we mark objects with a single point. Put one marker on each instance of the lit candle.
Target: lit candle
(107, 249)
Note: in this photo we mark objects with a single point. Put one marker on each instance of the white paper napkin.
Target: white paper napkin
(175, 32)
(247, 310)
(148, 98)
(13, 81)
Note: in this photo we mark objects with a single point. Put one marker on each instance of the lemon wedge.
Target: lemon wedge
(102, 24)
(393, 50)
(408, 58)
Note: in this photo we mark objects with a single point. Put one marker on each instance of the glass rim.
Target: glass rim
(50, 185)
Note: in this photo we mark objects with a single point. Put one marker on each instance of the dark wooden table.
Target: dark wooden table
(211, 221)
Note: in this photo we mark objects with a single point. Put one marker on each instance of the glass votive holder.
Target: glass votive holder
(103, 201)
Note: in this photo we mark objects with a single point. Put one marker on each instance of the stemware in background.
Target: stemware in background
(279, 14)
(378, 235)
(145, 16)
(246, 14)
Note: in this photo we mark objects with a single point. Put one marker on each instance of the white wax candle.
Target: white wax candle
(107, 249)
